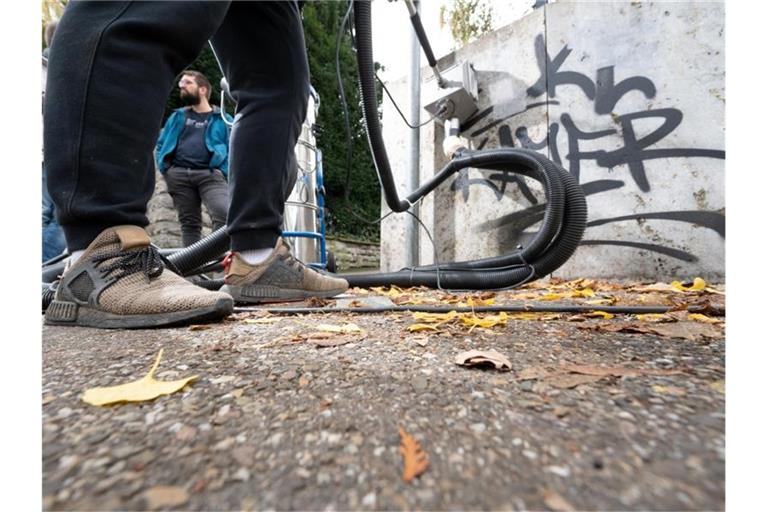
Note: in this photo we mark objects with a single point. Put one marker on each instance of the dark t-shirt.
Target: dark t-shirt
(190, 149)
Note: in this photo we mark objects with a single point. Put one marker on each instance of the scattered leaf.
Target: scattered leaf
(485, 321)
(199, 327)
(334, 342)
(584, 292)
(317, 302)
(263, 320)
(599, 314)
(435, 317)
(348, 328)
(569, 380)
(719, 386)
(555, 502)
(165, 496)
(146, 388)
(617, 371)
(669, 390)
(655, 317)
(698, 285)
(533, 372)
(422, 327)
(483, 357)
(551, 296)
(415, 460)
(524, 315)
(698, 317)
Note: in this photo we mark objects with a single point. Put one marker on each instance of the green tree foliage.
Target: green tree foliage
(321, 24)
(467, 19)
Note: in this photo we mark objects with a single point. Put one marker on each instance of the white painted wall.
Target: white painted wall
(657, 207)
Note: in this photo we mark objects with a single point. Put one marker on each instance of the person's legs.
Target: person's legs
(183, 189)
(112, 65)
(261, 49)
(53, 237)
(215, 196)
(271, 92)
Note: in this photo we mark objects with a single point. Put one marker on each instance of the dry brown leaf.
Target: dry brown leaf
(415, 460)
(335, 342)
(263, 320)
(317, 302)
(533, 372)
(199, 327)
(555, 502)
(569, 380)
(616, 371)
(669, 390)
(165, 496)
(693, 331)
(483, 357)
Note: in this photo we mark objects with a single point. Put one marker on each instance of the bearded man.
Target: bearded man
(192, 155)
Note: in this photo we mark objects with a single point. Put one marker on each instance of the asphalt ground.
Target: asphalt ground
(596, 413)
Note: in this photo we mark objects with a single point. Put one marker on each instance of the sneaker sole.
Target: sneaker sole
(72, 314)
(262, 294)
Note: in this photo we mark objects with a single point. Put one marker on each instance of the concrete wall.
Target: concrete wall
(629, 97)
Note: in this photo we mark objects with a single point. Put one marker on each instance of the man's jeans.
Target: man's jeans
(112, 66)
(53, 237)
(190, 187)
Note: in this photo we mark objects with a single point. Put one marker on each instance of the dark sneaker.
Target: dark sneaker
(280, 278)
(120, 281)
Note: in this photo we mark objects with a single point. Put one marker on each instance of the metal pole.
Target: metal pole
(414, 82)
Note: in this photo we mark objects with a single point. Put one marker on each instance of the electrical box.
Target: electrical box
(458, 95)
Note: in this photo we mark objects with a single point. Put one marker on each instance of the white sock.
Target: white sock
(75, 256)
(256, 256)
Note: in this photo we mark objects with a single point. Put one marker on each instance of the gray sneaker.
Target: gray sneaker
(120, 281)
(281, 277)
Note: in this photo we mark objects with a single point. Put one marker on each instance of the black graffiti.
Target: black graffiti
(635, 150)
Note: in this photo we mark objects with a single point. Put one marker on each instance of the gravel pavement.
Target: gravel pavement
(275, 421)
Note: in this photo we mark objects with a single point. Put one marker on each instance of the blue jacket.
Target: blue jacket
(216, 140)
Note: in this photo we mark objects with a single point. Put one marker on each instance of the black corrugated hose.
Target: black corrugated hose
(564, 219)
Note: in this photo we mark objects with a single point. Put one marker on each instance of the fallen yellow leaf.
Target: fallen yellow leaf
(698, 317)
(719, 386)
(435, 317)
(654, 317)
(472, 302)
(607, 301)
(585, 292)
(599, 314)
(533, 316)
(422, 327)
(146, 388)
(551, 296)
(484, 321)
(348, 328)
(264, 320)
(698, 285)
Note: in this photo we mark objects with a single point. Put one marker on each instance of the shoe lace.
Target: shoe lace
(124, 263)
